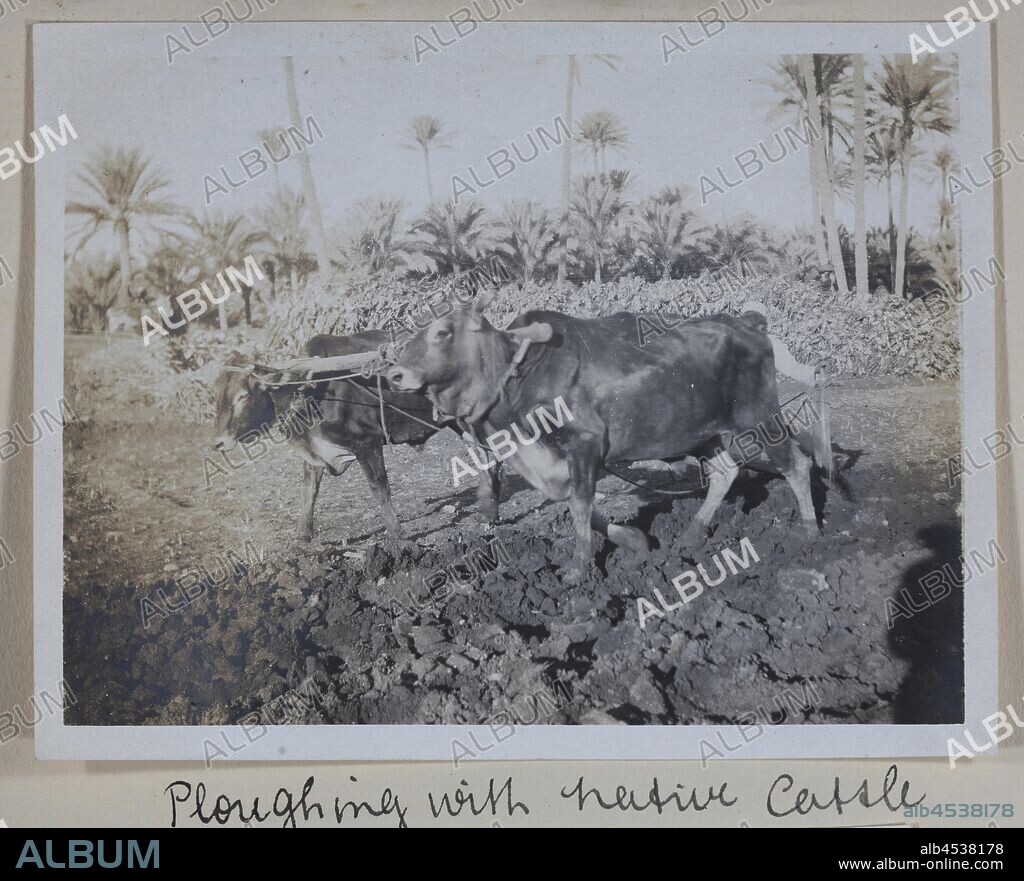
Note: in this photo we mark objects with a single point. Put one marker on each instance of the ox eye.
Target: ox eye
(442, 333)
(241, 396)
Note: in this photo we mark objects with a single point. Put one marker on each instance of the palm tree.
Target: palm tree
(122, 189)
(834, 90)
(166, 273)
(220, 240)
(665, 230)
(882, 158)
(599, 130)
(454, 238)
(598, 205)
(739, 247)
(918, 95)
(284, 234)
(572, 77)
(371, 239)
(823, 174)
(427, 133)
(530, 236)
(90, 289)
(860, 177)
(308, 183)
(798, 254)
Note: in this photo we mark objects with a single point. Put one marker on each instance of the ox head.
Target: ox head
(458, 359)
(244, 406)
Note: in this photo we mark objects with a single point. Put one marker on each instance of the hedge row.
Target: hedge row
(883, 337)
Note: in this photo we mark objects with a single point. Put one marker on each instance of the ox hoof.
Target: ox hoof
(576, 574)
(487, 518)
(811, 529)
(695, 536)
(629, 537)
(396, 545)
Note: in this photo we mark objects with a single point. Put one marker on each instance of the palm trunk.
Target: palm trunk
(222, 318)
(430, 182)
(308, 184)
(943, 219)
(597, 267)
(860, 177)
(824, 177)
(247, 302)
(294, 278)
(832, 224)
(666, 270)
(816, 228)
(892, 231)
(901, 244)
(828, 120)
(563, 227)
(124, 251)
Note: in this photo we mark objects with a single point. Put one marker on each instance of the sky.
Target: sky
(685, 118)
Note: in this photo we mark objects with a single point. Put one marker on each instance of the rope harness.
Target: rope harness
(371, 369)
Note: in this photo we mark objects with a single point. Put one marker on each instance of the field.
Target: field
(327, 618)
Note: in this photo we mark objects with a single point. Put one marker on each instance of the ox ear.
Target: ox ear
(475, 320)
(537, 332)
(264, 374)
(484, 300)
(238, 361)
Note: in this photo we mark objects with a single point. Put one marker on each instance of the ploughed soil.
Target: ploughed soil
(351, 629)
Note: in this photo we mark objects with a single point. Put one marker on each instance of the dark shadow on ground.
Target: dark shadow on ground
(932, 638)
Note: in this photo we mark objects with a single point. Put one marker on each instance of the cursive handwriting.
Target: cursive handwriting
(284, 806)
(785, 797)
(625, 799)
(491, 801)
(806, 801)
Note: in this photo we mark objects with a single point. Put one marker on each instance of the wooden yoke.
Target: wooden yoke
(323, 365)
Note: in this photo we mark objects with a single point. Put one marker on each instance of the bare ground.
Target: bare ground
(810, 615)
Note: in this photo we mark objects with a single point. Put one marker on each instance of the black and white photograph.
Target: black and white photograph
(595, 381)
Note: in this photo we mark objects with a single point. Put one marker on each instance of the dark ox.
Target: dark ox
(350, 429)
(687, 392)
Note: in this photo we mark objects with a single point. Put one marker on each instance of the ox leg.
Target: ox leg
(372, 463)
(583, 480)
(798, 476)
(312, 476)
(488, 492)
(723, 470)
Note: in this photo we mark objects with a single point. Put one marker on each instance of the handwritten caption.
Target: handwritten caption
(496, 799)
